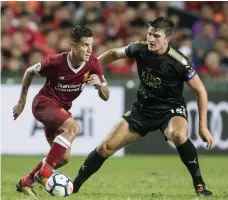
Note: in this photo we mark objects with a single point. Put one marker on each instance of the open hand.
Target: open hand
(17, 110)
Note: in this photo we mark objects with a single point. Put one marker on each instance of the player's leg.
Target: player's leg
(51, 134)
(60, 147)
(177, 132)
(24, 185)
(64, 160)
(53, 115)
(119, 137)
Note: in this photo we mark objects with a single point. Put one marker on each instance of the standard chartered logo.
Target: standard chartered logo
(216, 123)
(69, 88)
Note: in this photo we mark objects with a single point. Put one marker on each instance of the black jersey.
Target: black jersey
(162, 76)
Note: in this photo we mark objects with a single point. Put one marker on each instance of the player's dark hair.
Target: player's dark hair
(78, 32)
(161, 23)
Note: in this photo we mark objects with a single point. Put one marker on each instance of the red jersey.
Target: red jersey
(64, 83)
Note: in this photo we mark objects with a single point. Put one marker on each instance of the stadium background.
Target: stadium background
(33, 30)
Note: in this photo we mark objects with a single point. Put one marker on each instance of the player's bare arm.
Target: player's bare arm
(103, 90)
(106, 58)
(27, 79)
(201, 94)
(112, 55)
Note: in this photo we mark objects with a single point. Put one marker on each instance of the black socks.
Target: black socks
(92, 163)
(188, 154)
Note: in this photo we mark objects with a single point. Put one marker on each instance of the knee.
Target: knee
(106, 150)
(73, 130)
(177, 136)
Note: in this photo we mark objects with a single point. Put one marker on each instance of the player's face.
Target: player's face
(157, 40)
(83, 48)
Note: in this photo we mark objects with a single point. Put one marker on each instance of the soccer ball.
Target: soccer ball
(59, 185)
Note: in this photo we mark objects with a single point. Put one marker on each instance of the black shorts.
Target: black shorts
(144, 120)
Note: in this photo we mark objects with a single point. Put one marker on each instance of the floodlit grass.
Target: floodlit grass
(127, 178)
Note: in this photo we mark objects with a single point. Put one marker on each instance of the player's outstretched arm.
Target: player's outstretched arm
(197, 86)
(112, 55)
(27, 79)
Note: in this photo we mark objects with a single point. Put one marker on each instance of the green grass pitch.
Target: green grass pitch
(126, 178)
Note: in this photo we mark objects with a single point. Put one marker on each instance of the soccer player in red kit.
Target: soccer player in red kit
(66, 75)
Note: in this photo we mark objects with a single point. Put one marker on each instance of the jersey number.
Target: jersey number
(181, 111)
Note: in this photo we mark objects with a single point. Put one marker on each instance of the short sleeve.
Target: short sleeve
(45, 68)
(188, 71)
(97, 69)
(131, 50)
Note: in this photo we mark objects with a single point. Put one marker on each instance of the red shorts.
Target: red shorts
(49, 113)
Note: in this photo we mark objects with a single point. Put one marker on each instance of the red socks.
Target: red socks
(58, 149)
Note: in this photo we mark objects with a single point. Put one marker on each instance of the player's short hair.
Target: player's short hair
(79, 32)
(161, 23)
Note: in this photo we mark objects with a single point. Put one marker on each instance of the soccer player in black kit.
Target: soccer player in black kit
(159, 105)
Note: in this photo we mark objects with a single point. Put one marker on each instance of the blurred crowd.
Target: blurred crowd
(33, 30)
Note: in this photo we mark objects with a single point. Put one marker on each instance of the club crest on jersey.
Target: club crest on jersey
(86, 77)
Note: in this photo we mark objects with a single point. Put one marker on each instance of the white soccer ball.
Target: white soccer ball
(59, 185)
